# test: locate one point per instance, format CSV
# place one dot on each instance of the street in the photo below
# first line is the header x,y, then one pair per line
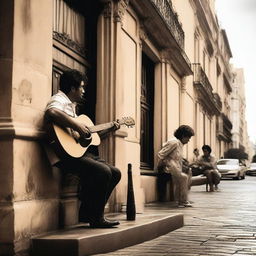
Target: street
x,y
220,223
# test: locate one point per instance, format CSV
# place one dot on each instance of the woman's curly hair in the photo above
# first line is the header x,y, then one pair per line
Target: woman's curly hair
x,y
207,148
184,131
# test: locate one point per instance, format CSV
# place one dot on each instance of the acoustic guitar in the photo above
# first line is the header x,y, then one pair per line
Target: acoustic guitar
x,y
66,142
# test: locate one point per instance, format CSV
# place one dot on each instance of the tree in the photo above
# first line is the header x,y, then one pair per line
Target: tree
x,y
236,153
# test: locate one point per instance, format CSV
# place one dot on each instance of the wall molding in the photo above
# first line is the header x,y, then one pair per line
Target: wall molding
x,y
12,130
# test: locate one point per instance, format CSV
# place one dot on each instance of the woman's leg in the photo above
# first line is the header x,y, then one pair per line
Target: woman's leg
x,y
180,181
209,176
176,188
216,178
183,188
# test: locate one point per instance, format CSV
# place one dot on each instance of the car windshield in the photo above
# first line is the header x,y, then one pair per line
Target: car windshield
x,y
228,162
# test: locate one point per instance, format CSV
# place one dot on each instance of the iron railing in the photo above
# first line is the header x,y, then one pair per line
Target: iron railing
x,y
201,78
165,10
217,100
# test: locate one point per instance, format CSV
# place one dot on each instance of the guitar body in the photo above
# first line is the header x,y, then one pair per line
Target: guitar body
x,y
64,143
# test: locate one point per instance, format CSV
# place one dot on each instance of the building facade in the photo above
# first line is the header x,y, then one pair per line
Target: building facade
x,y
239,131
164,63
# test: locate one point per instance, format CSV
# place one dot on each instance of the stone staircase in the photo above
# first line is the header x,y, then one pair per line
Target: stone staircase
x,y
80,240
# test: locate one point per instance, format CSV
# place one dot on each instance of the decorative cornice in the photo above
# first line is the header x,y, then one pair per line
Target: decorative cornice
x,y
67,41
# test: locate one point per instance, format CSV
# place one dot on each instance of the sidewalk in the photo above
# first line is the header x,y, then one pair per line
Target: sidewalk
x,y
220,224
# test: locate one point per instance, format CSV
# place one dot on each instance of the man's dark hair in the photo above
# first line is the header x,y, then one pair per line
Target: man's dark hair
x,y
207,148
71,78
184,131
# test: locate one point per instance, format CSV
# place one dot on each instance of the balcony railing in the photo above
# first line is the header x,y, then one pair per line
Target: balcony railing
x,y
165,9
201,78
217,100
226,122
201,82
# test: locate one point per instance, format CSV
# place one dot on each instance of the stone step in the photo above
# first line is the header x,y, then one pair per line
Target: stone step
x,y
80,240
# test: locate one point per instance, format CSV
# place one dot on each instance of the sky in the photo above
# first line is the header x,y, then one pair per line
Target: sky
x,y
238,18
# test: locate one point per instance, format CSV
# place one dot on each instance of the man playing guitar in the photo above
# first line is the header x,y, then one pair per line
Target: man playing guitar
x,y
98,178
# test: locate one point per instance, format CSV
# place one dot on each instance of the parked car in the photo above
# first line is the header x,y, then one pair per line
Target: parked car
x,y
251,169
231,168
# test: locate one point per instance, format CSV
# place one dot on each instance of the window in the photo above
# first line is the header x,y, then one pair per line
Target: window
x,y
75,45
68,22
147,110
68,40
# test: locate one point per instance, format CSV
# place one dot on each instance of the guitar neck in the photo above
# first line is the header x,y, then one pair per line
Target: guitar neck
x,y
101,127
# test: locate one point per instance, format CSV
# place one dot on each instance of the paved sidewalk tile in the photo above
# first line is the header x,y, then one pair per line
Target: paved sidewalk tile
x,y
219,224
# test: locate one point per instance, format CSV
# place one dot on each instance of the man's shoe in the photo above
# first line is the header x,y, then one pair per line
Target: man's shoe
x,y
103,223
185,204
216,188
116,222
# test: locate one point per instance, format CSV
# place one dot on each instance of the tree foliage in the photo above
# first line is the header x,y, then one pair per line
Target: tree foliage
x,y
236,153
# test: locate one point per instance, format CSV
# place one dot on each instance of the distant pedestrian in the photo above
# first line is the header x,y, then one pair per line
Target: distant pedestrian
x,y
196,154
187,169
207,163
170,161
195,169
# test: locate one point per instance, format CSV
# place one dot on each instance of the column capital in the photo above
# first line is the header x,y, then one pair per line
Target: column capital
x,y
165,56
142,34
120,9
107,10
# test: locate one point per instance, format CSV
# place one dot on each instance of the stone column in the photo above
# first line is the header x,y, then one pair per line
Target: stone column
x,y
163,80
105,90
112,100
28,196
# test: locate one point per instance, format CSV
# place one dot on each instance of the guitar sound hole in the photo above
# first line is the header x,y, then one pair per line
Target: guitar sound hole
x,y
84,142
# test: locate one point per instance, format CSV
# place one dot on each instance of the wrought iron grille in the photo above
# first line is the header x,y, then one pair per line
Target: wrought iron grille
x,y
201,78
217,100
165,9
